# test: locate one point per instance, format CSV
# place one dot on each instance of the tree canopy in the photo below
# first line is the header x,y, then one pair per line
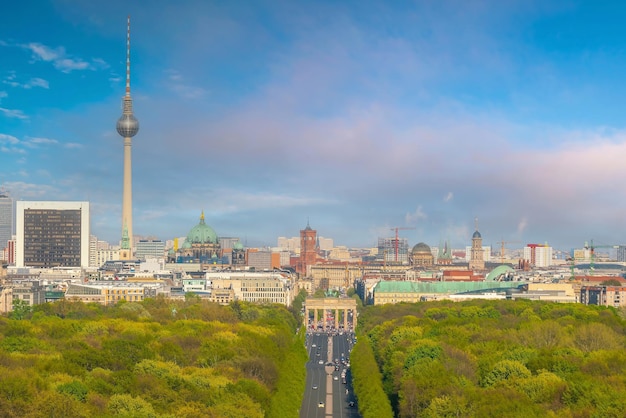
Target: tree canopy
x,y
498,358
160,357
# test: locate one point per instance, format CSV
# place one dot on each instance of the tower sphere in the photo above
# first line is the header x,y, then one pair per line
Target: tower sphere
x,y
127,126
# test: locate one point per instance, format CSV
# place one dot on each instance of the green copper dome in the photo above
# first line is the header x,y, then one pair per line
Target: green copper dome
x,y
201,234
238,246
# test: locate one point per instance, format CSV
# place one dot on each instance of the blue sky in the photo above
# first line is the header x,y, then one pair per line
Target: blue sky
x,y
359,116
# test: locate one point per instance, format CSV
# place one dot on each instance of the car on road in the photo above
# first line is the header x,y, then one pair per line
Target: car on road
x,y
351,404
320,405
314,345
314,387
320,362
335,378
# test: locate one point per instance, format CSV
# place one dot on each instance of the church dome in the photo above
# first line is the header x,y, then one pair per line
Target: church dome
x,y
421,248
476,235
238,246
201,234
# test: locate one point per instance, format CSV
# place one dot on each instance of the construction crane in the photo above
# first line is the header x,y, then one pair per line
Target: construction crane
x,y
397,228
502,243
591,249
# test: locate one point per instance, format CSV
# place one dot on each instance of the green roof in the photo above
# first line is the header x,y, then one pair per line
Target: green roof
x,y
498,271
440,287
201,234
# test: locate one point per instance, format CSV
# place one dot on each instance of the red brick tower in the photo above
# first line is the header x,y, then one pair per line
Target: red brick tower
x,y
308,250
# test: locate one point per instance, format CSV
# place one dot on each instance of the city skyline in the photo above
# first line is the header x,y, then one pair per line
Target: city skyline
x,y
358,116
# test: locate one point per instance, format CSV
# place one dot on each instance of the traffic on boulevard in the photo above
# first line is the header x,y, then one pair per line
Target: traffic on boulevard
x,y
328,383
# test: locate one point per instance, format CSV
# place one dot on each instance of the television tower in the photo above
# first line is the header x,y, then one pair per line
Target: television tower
x,y
127,127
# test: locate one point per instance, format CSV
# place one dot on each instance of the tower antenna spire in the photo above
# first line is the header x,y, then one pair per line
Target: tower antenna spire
x,y
128,59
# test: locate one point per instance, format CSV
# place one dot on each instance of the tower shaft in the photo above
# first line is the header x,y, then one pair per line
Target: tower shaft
x,y
127,194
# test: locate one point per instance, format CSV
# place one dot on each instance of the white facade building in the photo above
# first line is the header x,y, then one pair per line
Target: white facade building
x,y
538,255
263,287
149,248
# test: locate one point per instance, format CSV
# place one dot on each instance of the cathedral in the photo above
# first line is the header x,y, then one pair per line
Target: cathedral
x,y
201,245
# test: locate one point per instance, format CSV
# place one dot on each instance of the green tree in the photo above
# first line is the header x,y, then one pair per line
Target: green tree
x,y
590,337
21,309
505,370
76,389
129,406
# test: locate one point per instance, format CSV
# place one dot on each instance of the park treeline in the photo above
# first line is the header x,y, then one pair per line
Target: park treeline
x,y
156,358
490,359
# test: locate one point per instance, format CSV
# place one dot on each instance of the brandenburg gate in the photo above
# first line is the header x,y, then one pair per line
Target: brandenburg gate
x,y
335,305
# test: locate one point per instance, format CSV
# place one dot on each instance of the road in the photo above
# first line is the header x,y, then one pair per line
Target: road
x,y
334,396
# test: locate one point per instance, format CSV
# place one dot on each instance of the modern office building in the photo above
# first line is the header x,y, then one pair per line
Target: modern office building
x,y
149,248
6,219
263,260
52,234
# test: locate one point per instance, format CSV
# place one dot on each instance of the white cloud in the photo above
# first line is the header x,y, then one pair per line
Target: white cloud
x,y
412,218
13,113
448,197
72,145
11,150
59,58
8,139
238,201
22,190
182,89
33,82
40,141
521,226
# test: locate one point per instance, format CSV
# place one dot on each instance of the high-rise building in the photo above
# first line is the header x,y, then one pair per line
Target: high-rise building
x,y
538,255
52,234
621,253
127,127
6,218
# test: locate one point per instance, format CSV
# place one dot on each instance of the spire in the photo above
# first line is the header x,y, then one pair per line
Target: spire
x,y
125,238
202,217
128,59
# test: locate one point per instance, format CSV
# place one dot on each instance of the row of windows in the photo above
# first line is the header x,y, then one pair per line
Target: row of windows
x,y
260,295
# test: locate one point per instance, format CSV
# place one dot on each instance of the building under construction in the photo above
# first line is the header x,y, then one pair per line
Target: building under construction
x,y
393,250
